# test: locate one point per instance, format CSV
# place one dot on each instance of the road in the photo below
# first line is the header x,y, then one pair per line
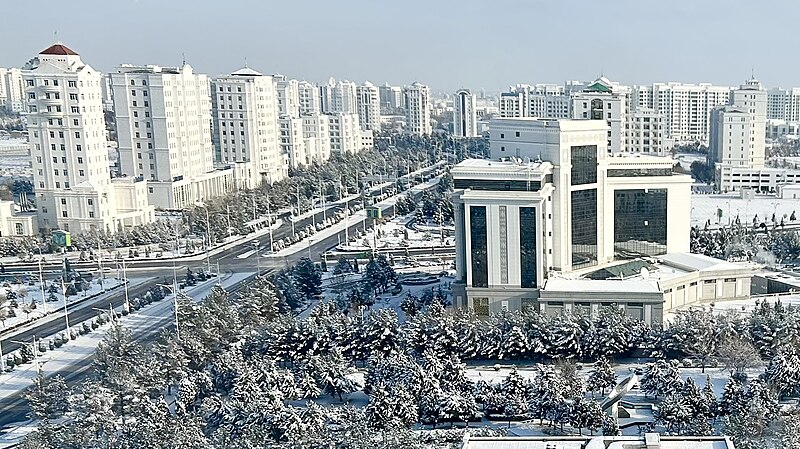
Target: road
x,y
14,408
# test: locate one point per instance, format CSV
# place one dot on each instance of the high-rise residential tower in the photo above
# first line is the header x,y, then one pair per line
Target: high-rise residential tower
x,y
418,108
464,114
246,126
69,154
369,108
164,131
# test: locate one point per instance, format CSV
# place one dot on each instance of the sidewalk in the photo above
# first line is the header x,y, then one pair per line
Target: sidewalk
x,y
58,313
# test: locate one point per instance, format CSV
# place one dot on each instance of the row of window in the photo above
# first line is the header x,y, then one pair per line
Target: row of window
x,y
47,82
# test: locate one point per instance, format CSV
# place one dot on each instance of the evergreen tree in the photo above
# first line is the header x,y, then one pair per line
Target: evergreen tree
x,y
308,279
601,377
48,398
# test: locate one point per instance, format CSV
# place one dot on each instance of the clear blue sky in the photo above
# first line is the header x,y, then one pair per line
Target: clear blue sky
x,y
447,44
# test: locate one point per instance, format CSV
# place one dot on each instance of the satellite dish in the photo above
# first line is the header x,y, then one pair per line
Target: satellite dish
x,y
645,273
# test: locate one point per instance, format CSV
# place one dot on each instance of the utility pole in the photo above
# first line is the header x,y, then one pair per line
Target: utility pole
x,y
100,265
41,283
269,223
66,312
2,359
125,275
208,236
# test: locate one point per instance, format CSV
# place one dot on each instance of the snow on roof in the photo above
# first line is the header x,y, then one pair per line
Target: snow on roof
x,y
697,262
602,286
246,71
648,440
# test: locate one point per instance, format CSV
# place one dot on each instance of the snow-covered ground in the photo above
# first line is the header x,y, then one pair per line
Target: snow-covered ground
x,y
32,294
704,207
393,236
75,353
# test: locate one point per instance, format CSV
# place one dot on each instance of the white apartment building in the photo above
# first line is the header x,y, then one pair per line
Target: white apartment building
x,y
316,138
686,108
339,97
246,126
291,140
644,133
12,89
369,107
391,98
288,95
417,98
783,104
309,99
465,122
67,138
551,203
345,132
164,133
540,100
738,136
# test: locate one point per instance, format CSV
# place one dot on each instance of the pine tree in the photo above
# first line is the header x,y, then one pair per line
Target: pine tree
x,y
601,377
48,398
586,414
308,279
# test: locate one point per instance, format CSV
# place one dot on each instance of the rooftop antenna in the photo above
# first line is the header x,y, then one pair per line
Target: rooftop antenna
x,y
183,56
245,62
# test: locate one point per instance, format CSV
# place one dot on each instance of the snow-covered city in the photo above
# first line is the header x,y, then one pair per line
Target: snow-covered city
x,y
216,240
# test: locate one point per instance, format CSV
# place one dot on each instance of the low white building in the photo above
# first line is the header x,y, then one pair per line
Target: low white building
x,y
14,223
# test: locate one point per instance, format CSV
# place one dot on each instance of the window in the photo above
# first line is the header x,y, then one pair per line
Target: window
x,y
64,201
90,201
584,164
133,82
517,133
133,93
72,84
527,246
640,222
478,242
480,306
31,96
74,122
144,82
77,134
584,227
18,228
64,213
29,83
78,148
91,214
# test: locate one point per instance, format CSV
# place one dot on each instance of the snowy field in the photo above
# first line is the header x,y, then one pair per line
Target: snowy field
x,y
704,207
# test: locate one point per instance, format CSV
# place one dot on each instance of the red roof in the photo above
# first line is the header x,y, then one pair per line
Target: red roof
x,y
57,49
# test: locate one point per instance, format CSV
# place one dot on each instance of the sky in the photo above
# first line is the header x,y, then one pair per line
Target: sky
x,y
447,44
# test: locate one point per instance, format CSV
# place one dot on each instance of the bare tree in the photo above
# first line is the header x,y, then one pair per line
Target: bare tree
x,y
737,354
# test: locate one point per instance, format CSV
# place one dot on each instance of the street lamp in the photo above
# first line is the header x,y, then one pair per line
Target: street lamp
x,y
309,248
41,282
66,312
257,246
125,280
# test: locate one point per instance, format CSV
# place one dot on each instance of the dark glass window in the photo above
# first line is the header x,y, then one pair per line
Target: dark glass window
x,y
640,222
480,264
516,186
635,172
584,228
527,246
584,164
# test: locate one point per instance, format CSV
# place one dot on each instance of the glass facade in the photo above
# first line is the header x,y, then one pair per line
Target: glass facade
x,y
584,164
640,222
502,185
527,246
636,172
503,245
480,264
584,227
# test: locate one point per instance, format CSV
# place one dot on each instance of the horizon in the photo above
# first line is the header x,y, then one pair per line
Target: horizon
x,y
350,40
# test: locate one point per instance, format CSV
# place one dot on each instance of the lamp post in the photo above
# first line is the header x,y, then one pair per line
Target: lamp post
x,y
66,312
309,248
100,265
125,280
269,223
41,283
2,359
257,246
